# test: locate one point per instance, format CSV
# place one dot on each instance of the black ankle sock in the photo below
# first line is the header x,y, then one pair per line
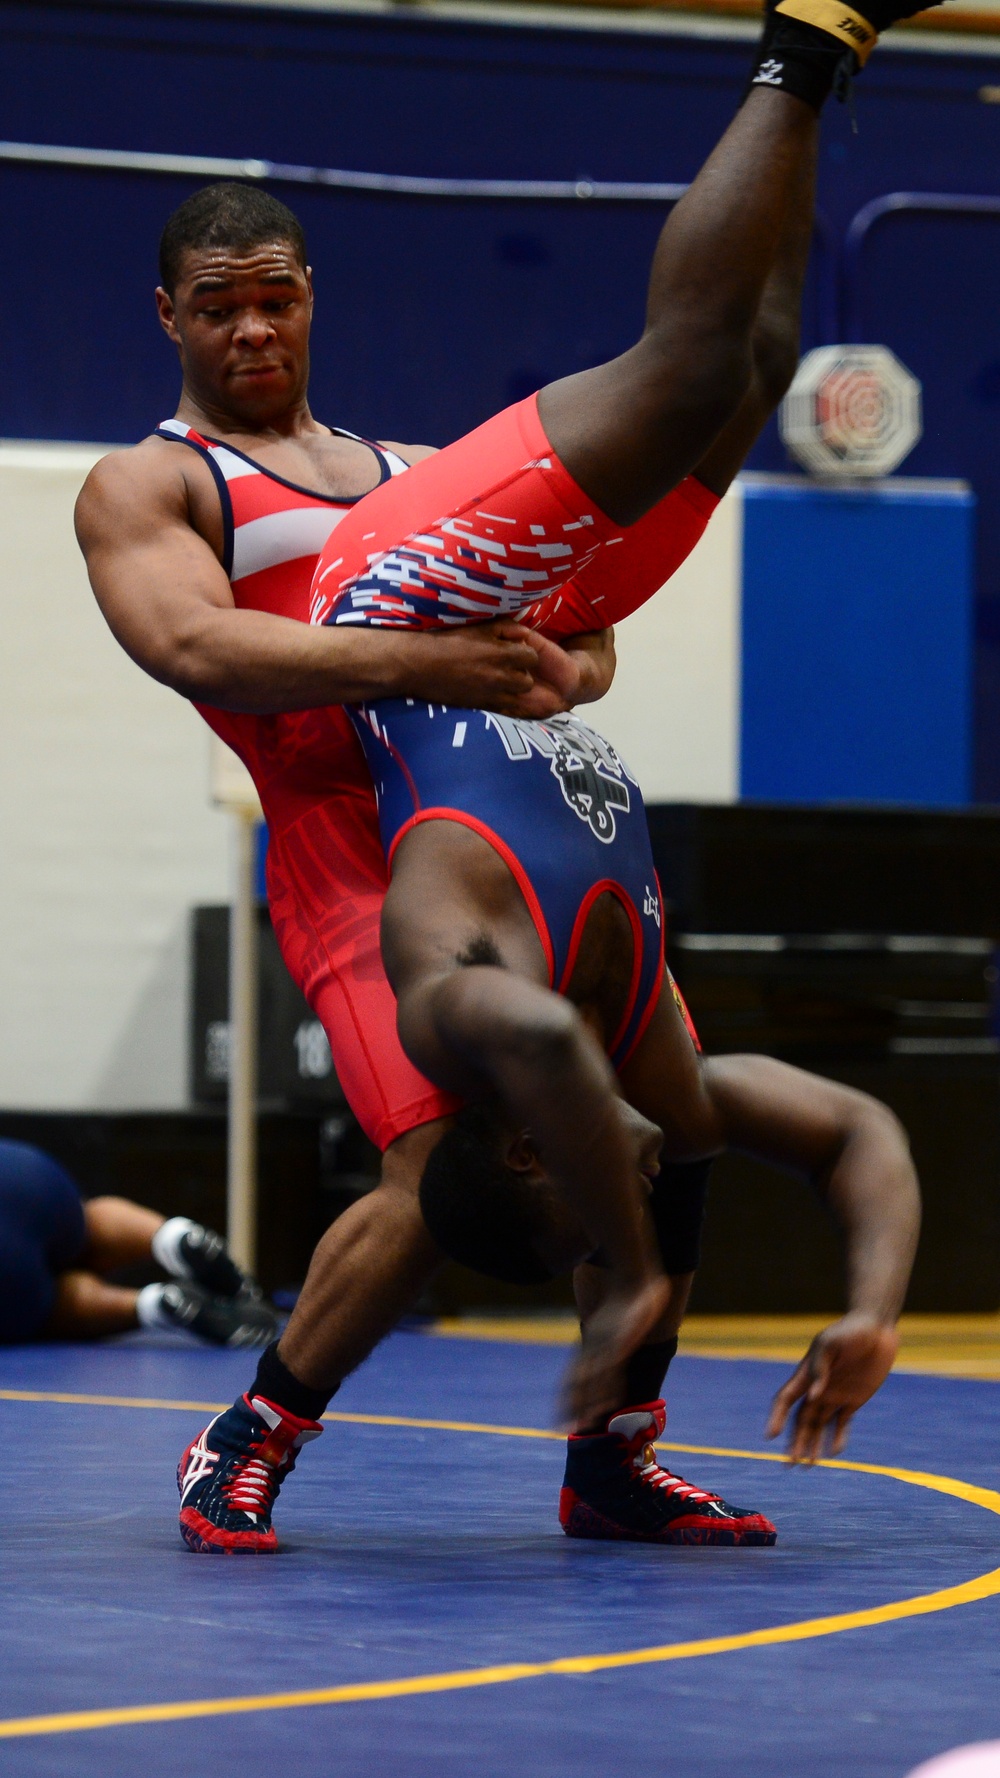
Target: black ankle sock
x,y
643,1380
275,1382
799,59
646,1370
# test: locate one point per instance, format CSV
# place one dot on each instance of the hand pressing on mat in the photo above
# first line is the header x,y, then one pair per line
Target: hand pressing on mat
x,y
855,1154
842,1369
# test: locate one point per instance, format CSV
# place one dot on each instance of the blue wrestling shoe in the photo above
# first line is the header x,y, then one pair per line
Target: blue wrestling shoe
x,y
615,1488
229,1477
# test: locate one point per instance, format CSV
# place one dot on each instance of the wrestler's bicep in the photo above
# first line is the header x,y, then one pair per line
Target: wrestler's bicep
x,y
153,576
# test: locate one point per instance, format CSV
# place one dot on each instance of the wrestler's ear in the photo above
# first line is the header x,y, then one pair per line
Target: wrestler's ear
x,y
522,1155
165,310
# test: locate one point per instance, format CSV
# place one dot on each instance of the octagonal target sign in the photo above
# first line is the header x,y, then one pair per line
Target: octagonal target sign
x,y
851,411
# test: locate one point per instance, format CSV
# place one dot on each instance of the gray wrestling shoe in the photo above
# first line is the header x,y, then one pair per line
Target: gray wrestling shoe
x,y
222,1321
199,1256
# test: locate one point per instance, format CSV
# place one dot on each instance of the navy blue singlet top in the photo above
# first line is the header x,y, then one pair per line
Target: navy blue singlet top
x,y
42,1233
556,802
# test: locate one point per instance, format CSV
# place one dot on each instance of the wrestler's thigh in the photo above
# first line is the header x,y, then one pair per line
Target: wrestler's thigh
x,y
663,1079
326,887
630,430
387,1094
483,529
453,902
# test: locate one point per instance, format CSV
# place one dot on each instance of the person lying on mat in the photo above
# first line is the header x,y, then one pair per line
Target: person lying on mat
x,y
492,1204
57,1250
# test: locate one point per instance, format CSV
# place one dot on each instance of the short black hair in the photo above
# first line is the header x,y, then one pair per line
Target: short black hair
x,y
227,215
480,1211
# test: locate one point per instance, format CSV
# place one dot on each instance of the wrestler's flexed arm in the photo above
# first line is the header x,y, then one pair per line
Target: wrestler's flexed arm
x,y
169,602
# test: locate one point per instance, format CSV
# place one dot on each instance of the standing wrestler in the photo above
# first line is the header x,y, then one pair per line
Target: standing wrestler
x,y
204,605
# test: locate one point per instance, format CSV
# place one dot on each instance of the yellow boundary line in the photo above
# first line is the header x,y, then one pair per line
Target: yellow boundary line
x,y
983,1586
965,1346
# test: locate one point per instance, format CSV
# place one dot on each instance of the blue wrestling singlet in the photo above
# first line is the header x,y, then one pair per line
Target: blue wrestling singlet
x,y
42,1233
555,801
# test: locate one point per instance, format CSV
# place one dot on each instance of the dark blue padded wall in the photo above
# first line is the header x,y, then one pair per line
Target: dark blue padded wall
x,y
434,312
430,316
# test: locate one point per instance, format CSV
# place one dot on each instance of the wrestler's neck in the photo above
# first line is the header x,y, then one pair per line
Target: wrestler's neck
x,y
215,418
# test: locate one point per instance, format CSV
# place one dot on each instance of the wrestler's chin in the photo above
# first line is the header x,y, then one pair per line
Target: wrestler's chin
x,y
256,395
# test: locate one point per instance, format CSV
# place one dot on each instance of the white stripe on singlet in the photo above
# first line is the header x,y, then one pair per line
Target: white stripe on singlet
x,y
282,537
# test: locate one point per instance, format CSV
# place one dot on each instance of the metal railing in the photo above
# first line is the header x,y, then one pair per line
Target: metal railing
x,y
895,203
204,166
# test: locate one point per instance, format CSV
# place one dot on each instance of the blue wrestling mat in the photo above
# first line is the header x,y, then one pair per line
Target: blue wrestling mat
x,y
426,1617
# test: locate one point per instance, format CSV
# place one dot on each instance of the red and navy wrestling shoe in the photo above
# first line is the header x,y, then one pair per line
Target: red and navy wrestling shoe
x,y
614,1488
230,1476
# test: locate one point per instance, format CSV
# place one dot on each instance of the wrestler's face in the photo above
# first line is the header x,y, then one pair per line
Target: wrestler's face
x,y
561,1241
240,321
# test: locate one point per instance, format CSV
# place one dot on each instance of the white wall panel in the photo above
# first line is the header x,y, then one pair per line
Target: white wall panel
x,y
106,833
673,710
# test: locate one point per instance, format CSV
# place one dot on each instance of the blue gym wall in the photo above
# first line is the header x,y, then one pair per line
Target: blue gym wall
x,y
856,642
432,313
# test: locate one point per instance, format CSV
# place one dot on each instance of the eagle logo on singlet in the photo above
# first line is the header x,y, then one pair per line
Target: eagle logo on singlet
x,y
586,768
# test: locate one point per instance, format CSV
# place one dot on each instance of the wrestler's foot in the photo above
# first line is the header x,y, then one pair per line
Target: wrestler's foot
x,y
614,1488
809,47
187,1250
857,27
230,1476
879,14
222,1321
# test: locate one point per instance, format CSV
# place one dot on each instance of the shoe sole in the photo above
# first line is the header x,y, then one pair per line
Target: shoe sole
x,y
206,1539
734,1535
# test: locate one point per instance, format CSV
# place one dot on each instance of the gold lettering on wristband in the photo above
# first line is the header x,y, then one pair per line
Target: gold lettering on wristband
x,y
840,21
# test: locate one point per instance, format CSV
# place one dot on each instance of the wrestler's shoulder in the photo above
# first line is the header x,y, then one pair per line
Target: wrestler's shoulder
x,y
142,478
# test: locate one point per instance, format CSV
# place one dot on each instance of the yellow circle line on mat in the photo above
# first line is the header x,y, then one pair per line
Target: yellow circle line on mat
x,y
983,1586
984,1497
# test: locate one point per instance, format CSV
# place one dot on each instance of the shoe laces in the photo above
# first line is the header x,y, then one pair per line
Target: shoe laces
x,y
253,1486
650,1472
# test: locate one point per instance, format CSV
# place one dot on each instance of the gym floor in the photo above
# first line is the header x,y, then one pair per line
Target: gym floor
x,y
427,1617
